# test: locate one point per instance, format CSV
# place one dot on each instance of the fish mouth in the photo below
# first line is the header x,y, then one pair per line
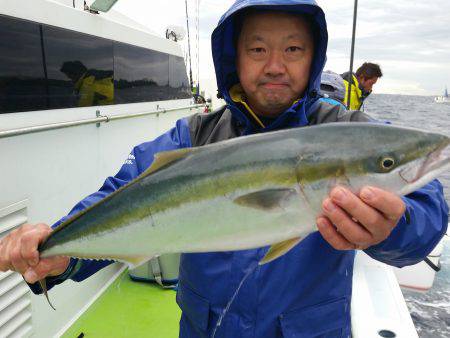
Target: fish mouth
x,y
426,169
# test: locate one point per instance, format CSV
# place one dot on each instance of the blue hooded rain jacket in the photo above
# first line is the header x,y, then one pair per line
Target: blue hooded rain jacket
x,y
305,293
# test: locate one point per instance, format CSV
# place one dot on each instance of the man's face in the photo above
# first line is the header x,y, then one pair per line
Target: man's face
x,y
274,56
367,84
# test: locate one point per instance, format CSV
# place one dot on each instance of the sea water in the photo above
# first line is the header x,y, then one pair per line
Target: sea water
x,y
430,311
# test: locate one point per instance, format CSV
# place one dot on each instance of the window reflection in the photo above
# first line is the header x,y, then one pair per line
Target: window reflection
x,y
45,67
92,87
178,80
22,78
140,74
79,67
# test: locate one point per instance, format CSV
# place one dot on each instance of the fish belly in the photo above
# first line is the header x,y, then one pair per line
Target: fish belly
x,y
217,224
222,225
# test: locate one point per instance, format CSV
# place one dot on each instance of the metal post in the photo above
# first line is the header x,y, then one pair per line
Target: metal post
x,y
189,46
352,54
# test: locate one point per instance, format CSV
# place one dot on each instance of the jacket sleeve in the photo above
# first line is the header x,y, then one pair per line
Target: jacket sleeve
x,y
139,159
420,229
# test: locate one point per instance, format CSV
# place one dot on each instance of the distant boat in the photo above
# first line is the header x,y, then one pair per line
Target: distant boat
x,y
444,98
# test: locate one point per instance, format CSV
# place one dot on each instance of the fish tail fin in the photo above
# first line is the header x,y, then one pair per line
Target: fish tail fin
x,y
43,285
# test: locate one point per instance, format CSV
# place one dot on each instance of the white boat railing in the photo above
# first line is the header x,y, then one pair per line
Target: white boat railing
x,y
98,119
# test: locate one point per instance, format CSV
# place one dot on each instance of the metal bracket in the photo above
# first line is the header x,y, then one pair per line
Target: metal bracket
x,y
163,110
155,267
88,9
103,5
97,114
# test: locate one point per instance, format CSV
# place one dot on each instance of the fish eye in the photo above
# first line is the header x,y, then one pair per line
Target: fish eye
x,y
387,163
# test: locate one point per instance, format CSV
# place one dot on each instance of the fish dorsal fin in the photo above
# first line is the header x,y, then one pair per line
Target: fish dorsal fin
x,y
268,199
164,158
279,249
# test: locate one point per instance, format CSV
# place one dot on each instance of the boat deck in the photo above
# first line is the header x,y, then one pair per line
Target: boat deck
x,y
129,309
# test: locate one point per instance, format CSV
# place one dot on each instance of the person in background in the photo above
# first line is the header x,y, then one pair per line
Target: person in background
x,y
268,57
361,84
332,88
93,87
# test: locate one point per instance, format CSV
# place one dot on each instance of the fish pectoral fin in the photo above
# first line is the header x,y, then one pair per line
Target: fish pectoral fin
x,y
279,249
268,199
165,157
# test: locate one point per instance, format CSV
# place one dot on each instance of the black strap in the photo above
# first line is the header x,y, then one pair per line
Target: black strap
x,y
435,267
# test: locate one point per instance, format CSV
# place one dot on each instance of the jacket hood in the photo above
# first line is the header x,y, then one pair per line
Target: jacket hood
x,y
224,51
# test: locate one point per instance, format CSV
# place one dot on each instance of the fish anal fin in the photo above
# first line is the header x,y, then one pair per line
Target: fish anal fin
x,y
165,157
268,199
279,249
132,261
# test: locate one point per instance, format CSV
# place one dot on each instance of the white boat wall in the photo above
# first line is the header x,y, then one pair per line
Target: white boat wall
x,y
420,277
46,169
378,308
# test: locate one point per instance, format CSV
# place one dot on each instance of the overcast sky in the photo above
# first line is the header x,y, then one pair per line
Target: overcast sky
x,y
410,39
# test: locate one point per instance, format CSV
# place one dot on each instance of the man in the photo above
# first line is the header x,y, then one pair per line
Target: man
x,y
268,58
361,84
93,87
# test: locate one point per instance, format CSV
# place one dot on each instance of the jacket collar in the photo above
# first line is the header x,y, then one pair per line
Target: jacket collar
x,y
294,116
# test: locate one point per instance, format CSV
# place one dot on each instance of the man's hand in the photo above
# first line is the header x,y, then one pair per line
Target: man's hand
x,y
352,222
18,252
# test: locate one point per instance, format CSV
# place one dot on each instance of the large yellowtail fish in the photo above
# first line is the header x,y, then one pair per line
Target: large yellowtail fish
x,y
248,192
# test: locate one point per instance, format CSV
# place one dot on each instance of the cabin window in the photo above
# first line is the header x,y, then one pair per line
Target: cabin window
x,y
140,74
79,69
45,67
22,77
179,87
